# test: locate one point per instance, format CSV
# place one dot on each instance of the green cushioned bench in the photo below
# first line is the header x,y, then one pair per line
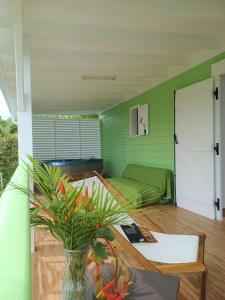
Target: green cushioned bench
x,y
145,185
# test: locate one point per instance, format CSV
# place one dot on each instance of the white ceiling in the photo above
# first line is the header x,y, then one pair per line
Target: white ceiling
x,y
141,42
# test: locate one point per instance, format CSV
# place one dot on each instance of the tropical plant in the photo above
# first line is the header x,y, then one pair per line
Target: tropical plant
x,y
81,220
72,214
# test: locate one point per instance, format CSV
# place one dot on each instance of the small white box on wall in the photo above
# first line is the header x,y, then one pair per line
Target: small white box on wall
x,y
139,120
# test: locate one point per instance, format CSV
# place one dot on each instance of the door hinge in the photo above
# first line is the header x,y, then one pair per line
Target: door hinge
x,y
217,149
216,93
217,203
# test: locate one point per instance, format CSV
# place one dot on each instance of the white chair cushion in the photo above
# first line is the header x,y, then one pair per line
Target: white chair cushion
x,y
170,248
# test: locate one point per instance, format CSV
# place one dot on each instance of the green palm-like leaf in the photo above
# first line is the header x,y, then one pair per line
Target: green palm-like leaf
x,y
68,214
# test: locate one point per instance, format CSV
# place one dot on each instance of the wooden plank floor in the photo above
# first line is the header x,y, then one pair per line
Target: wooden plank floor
x,y
48,261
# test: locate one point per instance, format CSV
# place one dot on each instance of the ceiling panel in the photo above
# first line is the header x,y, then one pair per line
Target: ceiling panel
x,y
140,42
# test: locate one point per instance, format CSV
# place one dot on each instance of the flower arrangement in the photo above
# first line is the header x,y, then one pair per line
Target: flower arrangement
x,y
79,219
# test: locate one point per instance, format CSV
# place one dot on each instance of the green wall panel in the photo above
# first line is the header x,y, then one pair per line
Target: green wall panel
x,y
157,148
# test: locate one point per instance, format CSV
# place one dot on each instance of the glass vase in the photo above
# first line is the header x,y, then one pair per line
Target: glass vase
x,y
77,282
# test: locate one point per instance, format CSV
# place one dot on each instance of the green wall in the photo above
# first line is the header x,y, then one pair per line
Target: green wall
x,y
157,148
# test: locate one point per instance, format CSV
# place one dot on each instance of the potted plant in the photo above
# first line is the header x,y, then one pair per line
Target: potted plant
x,y
77,217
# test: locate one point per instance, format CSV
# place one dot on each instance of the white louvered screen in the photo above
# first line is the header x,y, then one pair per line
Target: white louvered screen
x,y
90,138
43,139
67,139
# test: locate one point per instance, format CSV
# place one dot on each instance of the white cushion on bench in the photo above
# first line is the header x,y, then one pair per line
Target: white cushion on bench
x,y
170,248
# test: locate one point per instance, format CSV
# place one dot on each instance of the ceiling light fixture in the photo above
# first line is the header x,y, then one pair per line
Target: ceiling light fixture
x,y
98,77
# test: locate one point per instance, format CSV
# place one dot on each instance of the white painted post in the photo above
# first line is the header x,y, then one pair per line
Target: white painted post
x,y
23,89
24,116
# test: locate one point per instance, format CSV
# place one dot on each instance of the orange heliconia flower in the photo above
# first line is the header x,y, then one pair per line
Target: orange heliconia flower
x,y
119,298
97,273
83,199
90,207
108,286
86,196
110,296
78,200
61,187
35,204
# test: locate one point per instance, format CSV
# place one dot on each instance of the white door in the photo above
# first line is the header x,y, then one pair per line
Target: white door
x,y
194,148
220,139
218,72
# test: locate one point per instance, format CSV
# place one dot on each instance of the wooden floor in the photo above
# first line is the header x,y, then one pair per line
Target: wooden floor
x,y
48,261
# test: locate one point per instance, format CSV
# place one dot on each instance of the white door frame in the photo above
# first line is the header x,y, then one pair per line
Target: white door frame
x,y
218,69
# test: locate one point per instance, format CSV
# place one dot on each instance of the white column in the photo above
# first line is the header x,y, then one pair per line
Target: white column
x,y
24,116
23,82
23,89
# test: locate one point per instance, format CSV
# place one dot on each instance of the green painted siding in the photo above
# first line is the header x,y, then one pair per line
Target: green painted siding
x,y
155,149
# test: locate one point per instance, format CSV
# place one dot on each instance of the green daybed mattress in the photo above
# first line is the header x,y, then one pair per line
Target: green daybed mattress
x,y
144,185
